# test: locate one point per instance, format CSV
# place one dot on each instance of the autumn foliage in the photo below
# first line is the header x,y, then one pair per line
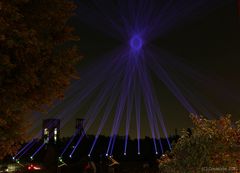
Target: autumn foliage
x,y
212,146
36,62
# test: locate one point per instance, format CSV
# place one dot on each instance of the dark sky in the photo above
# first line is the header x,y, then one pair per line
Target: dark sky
x,y
212,45
209,43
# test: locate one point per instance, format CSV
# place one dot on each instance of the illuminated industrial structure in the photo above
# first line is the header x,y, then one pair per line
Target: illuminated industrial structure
x,y
51,130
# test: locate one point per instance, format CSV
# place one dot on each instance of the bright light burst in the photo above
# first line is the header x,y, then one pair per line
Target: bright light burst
x,y
122,79
136,42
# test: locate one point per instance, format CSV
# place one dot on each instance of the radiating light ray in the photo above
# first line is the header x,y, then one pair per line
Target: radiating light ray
x,y
111,82
42,145
148,101
137,97
106,115
156,108
135,23
95,110
28,146
161,121
69,142
72,109
83,89
25,150
179,73
119,110
165,78
76,145
128,118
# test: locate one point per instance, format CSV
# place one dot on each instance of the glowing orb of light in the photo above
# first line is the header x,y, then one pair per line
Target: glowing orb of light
x,y
136,42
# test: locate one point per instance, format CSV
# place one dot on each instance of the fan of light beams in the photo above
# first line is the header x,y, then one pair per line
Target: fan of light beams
x,y
120,85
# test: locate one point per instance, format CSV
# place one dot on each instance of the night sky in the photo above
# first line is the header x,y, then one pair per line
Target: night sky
x,y
208,43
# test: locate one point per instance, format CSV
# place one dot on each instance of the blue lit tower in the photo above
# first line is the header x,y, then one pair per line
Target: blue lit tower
x,y
51,130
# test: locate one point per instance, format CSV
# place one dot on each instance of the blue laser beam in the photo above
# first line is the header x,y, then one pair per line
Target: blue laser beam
x,y
136,24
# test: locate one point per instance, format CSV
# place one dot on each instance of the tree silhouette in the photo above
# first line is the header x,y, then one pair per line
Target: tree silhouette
x,y
213,144
36,62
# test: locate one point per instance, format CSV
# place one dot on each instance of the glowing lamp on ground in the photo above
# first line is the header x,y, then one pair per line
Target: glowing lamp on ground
x,y
136,43
29,167
139,153
60,159
125,154
34,167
